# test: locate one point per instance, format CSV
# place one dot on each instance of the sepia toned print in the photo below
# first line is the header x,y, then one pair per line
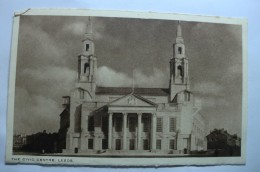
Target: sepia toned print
x,y
114,88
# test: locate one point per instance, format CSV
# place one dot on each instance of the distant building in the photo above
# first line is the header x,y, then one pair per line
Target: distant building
x,y
19,140
41,142
121,119
220,139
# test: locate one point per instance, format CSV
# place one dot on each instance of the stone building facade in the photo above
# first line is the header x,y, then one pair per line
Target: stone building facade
x,y
115,120
19,140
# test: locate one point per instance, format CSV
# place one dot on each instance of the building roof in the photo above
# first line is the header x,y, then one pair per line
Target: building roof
x,y
128,90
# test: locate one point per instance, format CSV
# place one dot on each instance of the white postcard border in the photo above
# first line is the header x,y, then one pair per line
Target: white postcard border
x,y
117,161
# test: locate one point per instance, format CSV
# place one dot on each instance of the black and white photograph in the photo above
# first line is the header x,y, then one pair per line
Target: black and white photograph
x,y
128,88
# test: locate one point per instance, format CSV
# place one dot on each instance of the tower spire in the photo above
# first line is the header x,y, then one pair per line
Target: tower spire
x,y
89,33
87,59
179,34
179,38
89,25
179,78
87,62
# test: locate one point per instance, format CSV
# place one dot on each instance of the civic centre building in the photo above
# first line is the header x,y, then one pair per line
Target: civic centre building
x,y
123,120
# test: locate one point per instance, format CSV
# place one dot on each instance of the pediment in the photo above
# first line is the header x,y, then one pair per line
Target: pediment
x,y
132,100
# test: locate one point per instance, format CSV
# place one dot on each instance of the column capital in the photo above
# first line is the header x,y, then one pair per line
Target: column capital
x,y
139,113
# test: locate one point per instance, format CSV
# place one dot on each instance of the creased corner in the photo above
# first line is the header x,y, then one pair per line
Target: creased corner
x,y
21,13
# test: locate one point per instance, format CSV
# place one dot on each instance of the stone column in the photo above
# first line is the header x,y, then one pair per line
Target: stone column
x,y
83,123
139,131
153,132
110,115
83,132
124,130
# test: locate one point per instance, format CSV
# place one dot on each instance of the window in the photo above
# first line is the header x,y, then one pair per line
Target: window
x,y
171,144
91,123
131,144
187,96
104,124
159,125
179,71
86,68
118,122
179,50
81,94
90,143
76,150
118,144
172,124
132,124
158,144
146,123
104,144
146,145
87,47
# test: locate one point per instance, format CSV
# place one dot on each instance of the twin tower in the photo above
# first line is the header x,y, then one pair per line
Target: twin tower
x,y
87,65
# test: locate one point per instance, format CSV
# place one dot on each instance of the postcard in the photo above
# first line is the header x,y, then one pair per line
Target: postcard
x,y
118,88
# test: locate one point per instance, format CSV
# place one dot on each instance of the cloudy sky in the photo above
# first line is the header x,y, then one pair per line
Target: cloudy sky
x,y
47,63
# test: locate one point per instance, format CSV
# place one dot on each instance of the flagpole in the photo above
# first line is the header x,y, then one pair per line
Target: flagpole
x,y
133,82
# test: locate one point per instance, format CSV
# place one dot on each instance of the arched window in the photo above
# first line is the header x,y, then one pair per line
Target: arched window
x,y
179,71
179,50
86,68
87,47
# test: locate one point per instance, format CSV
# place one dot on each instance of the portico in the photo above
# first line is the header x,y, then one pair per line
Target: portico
x,y
131,126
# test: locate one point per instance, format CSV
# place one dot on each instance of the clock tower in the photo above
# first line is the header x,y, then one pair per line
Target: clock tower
x,y
87,62
179,63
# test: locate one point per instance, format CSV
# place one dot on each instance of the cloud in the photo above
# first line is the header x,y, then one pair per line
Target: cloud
x,y
38,104
58,80
33,113
156,79
51,74
98,28
109,77
208,88
101,33
40,46
77,28
235,69
212,94
235,31
211,102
